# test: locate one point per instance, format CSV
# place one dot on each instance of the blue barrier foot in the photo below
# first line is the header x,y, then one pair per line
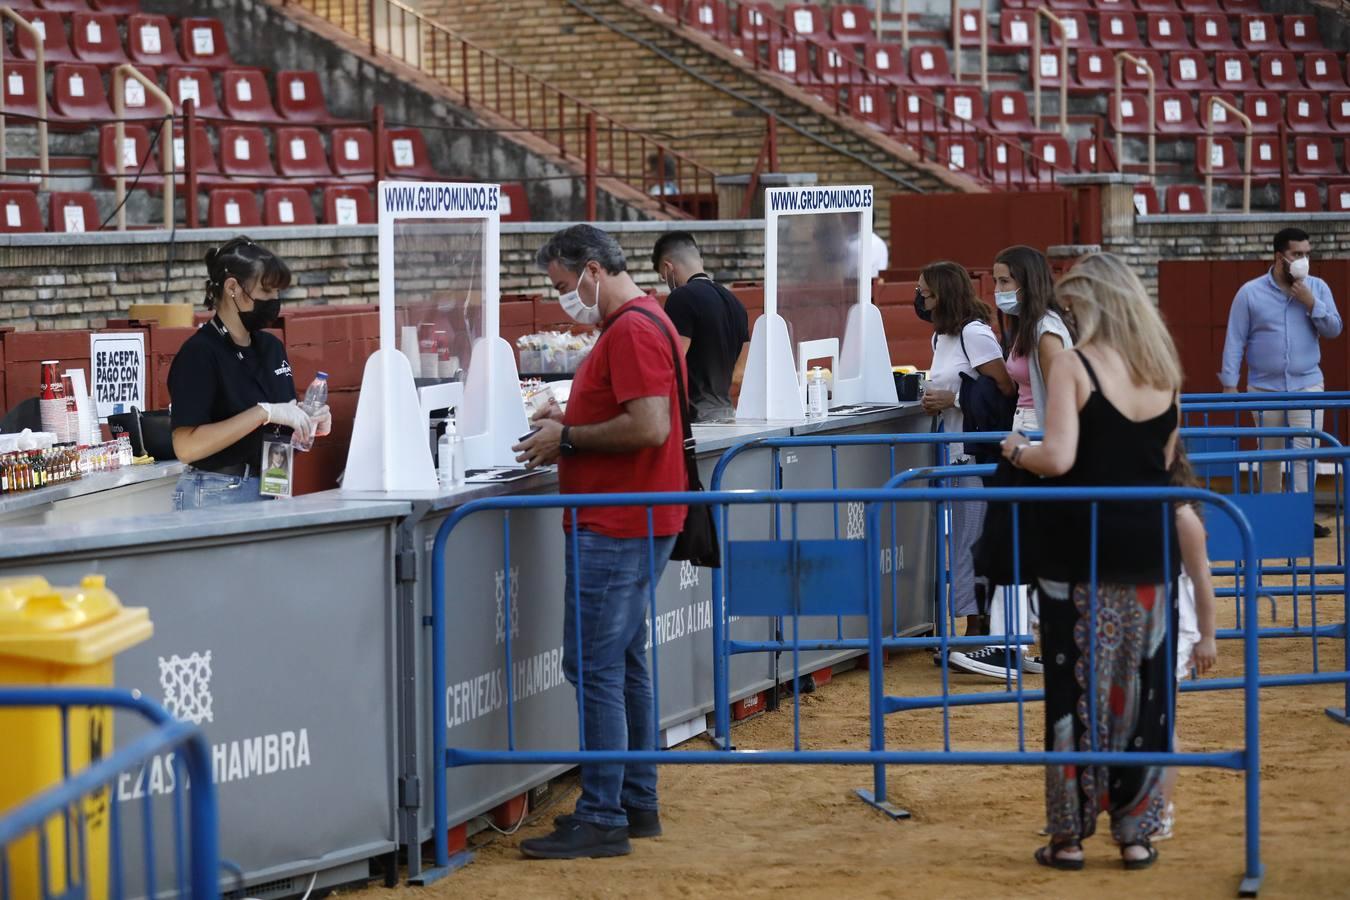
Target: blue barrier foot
x,y
884,805
1249,887
436,873
1339,715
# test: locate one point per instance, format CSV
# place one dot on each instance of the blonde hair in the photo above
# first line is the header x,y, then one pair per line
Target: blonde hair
x,y
1113,309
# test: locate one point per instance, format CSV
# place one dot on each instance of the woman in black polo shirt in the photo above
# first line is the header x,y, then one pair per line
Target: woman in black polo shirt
x,y
230,384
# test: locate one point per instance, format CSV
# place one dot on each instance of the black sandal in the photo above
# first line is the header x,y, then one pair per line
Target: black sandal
x,y
1049,856
1145,862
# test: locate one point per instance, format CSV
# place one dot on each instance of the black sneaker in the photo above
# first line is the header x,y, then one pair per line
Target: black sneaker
x,y
1032,665
642,823
576,839
992,662
1321,531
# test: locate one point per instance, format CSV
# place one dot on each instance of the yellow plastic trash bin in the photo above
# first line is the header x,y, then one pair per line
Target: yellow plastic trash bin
x,y
59,637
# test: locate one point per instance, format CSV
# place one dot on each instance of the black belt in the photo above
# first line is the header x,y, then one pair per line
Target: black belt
x,y
239,470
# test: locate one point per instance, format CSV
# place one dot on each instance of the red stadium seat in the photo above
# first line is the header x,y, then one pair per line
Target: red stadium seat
x,y
1265,155
1118,30
959,154
1338,106
1322,71
850,23
971,23
351,205
137,103
756,20
1008,112
1058,5
1235,7
1089,153
915,110
1157,6
150,40
352,152
791,61
965,105
1189,71
204,43
96,39
1264,110
1224,122
135,153
19,213
287,206
1212,32
514,203
805,21
1233,72
1222,156
1146,200
1300,33
246,97
1185,198
1167,31
1302,197
233,208
1338,197
872,105
1050,67
78,92
120,7
1114,5
52,27
1132,115
1305,112
21,87
1315,156
1200,6
203,159
64,6
406,155
244,156
1005,163
1095,68
1136,76
72,211
300,98
886,61
1175,113
191,83
1049,153
928,65
1076,32
1279,72
300,155
836,63
1015,27
1258,33
708,15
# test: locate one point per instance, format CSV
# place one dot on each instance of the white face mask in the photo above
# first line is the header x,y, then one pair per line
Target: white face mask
x,y
1007,302
579,312
1298,269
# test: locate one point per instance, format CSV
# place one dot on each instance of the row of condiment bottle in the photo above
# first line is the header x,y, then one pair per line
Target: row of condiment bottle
x,y
31,470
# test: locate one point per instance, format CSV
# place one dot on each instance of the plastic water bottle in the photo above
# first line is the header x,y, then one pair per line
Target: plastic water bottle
x,y
450,457
316,397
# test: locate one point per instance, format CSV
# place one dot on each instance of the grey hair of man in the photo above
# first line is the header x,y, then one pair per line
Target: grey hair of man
x,y
573,247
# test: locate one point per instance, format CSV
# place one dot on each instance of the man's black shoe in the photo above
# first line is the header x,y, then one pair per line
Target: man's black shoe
x,y
575,839
1321,531
642,823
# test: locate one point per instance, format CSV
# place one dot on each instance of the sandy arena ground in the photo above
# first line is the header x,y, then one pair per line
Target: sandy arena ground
x,y
751,831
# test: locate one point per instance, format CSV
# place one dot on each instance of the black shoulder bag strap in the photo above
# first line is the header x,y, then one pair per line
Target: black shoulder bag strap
x,y
697,541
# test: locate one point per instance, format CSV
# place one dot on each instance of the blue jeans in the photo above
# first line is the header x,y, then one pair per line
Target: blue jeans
x,y
615,696
202,490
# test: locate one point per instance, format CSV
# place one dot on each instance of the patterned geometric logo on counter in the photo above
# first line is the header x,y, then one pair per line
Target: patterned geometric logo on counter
x,y
187,687
500,591
855,528
688,575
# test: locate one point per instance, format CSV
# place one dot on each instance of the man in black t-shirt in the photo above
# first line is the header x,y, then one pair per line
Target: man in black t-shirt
x,y
713,325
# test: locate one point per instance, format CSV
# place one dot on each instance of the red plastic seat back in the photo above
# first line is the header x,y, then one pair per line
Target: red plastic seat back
x,y
1300,33
1322,71
1265,154
1189,70
1221,153
1015,27
836,62
69,212
78,92
1338,197
21,89
959,154
287,206
1259,33
708,15
964,104
349,205
51,27
353,152
1075,32
203,156
1302,196
95,37
871,104
1224,121
300,153
1305,111
886,61
204,43
1008,111
1094,155
1233,72
1175,112
233,208
195,84
1315,156
791,60
805,21
1136,76
19,213
1263,109
300,97
1005,163
757,21
150,40
1050,152
243,152
134,151
916,110
515,203
1117,29
246,96
1167,31
1338,108
1095,68
1185,198
928,65
1279,72
970,23
850,23
407,155
1131,115
1212,31
1146,200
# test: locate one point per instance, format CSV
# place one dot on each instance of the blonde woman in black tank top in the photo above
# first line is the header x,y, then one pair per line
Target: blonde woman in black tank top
x,y
1111,421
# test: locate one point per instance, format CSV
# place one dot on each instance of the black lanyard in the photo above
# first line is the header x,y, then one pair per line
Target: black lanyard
x,y
253,371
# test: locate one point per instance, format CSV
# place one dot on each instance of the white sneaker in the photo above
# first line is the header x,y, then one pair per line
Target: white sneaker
x,y
1168,819
992,662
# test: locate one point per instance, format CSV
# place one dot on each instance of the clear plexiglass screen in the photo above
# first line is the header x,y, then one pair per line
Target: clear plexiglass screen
x,y
438,293
818,270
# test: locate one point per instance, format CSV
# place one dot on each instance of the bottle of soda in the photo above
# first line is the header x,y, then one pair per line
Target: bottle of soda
x,y
316,397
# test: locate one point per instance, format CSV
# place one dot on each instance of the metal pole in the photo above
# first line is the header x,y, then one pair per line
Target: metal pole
x,y
380,161
590,167
190,162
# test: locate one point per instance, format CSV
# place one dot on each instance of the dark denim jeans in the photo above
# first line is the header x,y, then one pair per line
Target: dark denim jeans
x,y
616,692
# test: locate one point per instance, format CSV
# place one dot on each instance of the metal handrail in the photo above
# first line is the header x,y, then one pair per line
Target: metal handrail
x,y
1056,21
1209,150
488,81
1121,58
40,82
120,75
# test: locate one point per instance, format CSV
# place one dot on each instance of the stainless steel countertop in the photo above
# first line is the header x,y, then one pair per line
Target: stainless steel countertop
x,y
90,484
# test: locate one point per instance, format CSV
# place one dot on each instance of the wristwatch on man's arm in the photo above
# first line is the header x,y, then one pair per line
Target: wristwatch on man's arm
x,y
565,445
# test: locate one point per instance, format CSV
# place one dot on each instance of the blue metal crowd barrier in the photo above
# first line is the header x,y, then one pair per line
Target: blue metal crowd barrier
x,y
24,829
790,577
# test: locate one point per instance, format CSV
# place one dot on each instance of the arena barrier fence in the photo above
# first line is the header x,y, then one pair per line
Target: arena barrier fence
x,y
789,577
68,840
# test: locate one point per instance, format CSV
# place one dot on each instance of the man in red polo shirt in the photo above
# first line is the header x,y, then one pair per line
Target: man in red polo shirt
x,y
621,434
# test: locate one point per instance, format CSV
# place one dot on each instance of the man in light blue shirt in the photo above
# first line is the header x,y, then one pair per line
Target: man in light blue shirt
x,y
1277,321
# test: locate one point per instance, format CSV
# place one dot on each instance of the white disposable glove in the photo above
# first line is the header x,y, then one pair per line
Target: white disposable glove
x,y
290,415
323,421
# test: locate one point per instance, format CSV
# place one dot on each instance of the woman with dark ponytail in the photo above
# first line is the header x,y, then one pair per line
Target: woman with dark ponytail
x,y
230,385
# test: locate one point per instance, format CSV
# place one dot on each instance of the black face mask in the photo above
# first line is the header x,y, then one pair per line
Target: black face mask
x,y
919,309
263,313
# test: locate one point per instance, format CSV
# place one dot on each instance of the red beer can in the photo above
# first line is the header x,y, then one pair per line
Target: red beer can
x,y
51,381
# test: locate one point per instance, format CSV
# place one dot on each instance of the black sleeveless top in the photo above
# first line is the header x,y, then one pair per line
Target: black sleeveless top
x,y
1114,451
